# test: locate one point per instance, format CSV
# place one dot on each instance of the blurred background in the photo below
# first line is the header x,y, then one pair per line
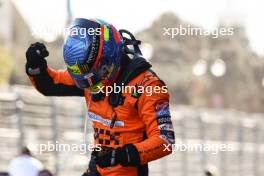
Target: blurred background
x,y
216,84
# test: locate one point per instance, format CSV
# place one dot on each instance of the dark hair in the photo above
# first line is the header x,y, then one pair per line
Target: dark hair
x,y
4,174
25,151
45,171
208,173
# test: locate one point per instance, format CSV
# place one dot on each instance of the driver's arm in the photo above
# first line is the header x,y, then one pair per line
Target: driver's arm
x,y
55,83
155,113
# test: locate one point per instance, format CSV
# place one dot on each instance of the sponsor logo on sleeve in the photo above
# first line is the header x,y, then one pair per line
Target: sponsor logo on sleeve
x,y
164,121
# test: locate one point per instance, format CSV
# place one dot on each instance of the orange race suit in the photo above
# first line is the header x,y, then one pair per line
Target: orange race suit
x,y
143,120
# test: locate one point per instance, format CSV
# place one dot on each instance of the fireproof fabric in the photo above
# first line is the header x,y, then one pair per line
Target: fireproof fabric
x,y
142,120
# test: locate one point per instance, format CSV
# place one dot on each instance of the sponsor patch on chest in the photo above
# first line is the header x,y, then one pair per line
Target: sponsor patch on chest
x,y
97,118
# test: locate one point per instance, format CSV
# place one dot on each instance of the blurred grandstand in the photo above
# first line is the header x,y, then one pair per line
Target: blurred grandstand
x,y
27,118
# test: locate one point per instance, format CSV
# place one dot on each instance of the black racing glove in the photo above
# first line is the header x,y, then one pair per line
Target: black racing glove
x,y
127,155
92,170
35,55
